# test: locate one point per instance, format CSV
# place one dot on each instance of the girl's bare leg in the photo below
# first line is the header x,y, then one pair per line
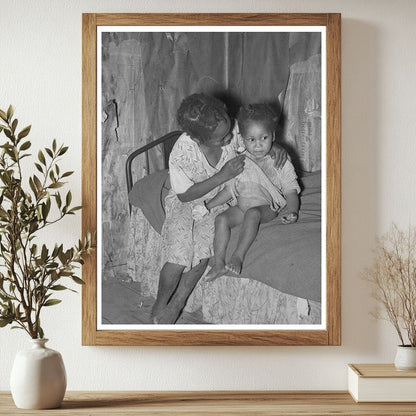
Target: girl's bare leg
x,y
253,217
177,301
169,278
223,224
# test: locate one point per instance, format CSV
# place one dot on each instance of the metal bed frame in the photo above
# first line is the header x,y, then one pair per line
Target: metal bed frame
x,y
167,141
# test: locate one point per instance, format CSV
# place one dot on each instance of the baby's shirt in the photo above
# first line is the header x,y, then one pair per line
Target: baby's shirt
x,y
262,182
284,178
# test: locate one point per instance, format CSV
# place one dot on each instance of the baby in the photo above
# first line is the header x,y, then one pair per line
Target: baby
x,y
259,193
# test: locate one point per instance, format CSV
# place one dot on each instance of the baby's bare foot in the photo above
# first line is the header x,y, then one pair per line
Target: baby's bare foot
x,y
218,270
234,265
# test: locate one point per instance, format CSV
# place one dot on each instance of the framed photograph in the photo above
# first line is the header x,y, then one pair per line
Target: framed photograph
x,y
174,265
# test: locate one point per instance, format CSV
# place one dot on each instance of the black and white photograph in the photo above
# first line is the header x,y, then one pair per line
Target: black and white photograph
x,y
211,178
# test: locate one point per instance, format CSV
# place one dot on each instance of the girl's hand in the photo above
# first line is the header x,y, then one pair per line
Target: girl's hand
x,y
279,156
289,218
233,167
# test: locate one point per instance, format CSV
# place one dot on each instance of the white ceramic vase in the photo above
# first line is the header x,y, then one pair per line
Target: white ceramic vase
x,y
38,377
405,358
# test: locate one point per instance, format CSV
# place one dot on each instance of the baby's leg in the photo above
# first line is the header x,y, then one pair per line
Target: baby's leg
x,y
253,217
223,224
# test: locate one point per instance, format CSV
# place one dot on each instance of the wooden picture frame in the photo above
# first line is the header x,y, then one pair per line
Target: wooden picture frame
x,y
330,334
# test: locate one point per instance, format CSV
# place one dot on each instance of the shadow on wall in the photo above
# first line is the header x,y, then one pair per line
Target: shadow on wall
x,y
361,186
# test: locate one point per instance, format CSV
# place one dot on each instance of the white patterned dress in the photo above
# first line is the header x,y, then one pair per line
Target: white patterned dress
x,y
186,241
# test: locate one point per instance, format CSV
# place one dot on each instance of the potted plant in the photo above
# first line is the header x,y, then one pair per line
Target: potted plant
x,y
31,273
393,277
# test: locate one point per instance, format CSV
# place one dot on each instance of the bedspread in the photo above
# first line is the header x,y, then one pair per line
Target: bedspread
x,y
283,265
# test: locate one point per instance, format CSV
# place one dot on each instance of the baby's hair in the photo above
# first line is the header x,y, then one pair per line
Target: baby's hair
x,y
261,113
199,115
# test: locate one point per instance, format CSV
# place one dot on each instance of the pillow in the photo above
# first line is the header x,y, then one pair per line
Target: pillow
x,y
149,195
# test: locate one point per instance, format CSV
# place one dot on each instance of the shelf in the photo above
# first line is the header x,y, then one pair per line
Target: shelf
x,y
204,403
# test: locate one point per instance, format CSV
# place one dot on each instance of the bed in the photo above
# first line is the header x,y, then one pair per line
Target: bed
x,y
281,278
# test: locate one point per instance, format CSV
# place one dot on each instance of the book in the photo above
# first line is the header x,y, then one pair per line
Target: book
x,y
381,383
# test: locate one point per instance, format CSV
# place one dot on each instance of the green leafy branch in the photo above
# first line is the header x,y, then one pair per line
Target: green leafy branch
x,y
31,274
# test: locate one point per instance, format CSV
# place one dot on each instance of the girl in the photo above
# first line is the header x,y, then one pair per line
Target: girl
x,y
201,160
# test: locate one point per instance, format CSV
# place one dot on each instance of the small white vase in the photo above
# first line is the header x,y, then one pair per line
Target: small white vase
x,y
405,358
38,377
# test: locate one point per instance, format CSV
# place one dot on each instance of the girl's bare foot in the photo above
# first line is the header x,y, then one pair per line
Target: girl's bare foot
x,y
168,316
157,309
217,270
234,265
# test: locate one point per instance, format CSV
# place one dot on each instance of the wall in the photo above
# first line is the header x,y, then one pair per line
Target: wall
x,y
40,74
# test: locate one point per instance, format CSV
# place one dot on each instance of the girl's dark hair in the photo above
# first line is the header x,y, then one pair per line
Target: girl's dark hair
x,y
262,113
199,115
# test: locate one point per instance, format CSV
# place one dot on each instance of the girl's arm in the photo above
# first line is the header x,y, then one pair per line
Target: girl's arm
x,y
231,169
221,198
279,155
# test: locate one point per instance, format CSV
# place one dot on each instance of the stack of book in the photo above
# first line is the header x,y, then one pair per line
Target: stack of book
x,y
381,383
